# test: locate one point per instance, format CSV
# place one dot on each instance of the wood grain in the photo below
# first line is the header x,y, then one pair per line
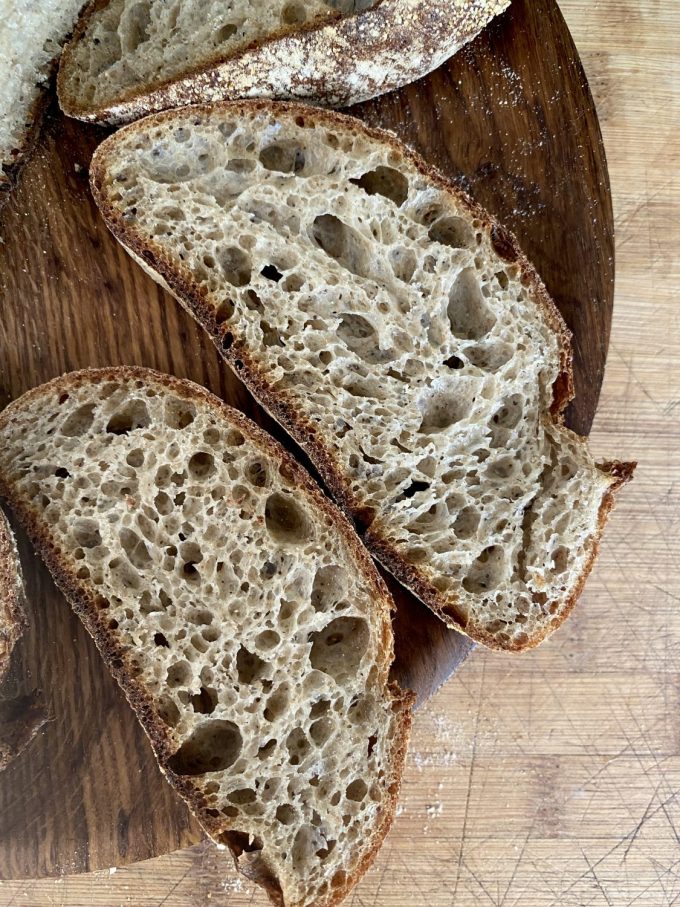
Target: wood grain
x,y
71,297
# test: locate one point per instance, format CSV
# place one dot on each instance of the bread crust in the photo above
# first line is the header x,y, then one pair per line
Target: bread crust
x,y
333,63
283,407
13,620
89,608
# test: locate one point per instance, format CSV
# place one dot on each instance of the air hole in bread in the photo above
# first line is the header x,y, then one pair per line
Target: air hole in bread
x,y
122,573
286,814
179,413
384,181
298,746
343,243
487,572
271,272
413,489
286,520
490,356
357,790
293,283
236,265
361,338
79,421
201,465
278,703
359,386
403,262
134,26
445,403
267,640
205,701
224,311
224,32
285,157
86,533
469,315
242,796
135,549
337,650
467,522
329,587
212,747
168,711
132,415
509,414
454,232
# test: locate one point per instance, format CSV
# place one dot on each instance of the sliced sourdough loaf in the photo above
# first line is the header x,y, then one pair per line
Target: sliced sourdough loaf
x,y
131,57
235,606
12,615
31,35
394,329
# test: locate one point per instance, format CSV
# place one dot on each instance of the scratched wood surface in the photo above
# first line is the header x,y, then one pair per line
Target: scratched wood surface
x,y
553,781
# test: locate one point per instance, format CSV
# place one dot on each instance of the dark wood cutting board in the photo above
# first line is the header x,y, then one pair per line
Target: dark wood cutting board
x,y
512,120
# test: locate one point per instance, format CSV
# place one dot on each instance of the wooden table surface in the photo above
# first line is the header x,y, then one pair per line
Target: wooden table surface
x,y
552,780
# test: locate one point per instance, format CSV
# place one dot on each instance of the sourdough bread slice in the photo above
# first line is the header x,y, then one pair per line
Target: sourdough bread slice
x,y
31,35
394,329
12,615
235,606
132,57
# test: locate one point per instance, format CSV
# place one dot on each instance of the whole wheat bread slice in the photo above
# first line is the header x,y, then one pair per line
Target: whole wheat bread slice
x,y
394,329
31,36
235,606
131,57
12,614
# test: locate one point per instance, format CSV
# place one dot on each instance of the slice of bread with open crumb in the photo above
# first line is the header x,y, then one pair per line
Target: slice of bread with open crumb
x,y
132,57
235,606
12,615
394,329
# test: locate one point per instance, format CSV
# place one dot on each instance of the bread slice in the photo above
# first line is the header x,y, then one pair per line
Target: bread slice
x,y
132,57
31,35
394,329
12,614
235,606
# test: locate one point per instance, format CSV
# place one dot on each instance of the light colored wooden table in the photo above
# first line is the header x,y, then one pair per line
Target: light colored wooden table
x,y
552,780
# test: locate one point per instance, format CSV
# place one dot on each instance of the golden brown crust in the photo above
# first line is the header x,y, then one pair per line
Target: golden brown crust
x,y
12,615
89,608
347,59
282,407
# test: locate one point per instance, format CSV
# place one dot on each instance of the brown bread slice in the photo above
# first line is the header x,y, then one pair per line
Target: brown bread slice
x,y
394,329
131,57
235,606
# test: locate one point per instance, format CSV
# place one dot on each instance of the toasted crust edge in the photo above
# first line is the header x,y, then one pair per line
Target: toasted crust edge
x,y
88,609
396,41
155,260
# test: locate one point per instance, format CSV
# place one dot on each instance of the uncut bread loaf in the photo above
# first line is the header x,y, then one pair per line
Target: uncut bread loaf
x,y
236,608
31,35
12,615
394,329
132,57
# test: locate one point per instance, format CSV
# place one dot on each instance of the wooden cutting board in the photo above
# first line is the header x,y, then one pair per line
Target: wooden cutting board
x,y
512,120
